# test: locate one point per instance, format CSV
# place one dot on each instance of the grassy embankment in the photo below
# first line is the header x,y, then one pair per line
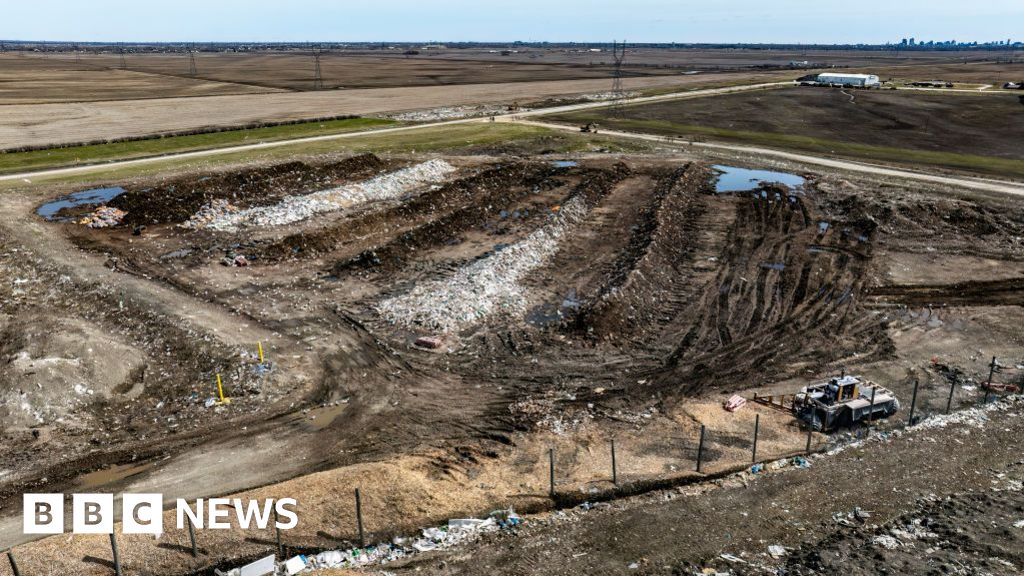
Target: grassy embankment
x,y
13,162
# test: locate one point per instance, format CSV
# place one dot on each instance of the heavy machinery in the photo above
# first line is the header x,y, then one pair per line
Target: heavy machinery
x,y
843,401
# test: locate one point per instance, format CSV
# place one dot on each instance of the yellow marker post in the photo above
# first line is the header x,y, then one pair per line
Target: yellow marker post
x,y
259,346
220,391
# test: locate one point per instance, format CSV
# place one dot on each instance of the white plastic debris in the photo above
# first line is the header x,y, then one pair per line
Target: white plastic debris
x,y
391,186
485,286
294,565
776,551
886,541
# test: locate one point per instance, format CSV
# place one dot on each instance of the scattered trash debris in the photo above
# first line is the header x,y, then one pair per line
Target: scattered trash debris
x,y
390,186
431,342
734,403
776,551
211,212
294,565
886,541
485,286
104,217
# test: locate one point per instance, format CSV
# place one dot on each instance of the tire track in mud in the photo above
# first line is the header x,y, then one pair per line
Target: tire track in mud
x,y
778,301
1007,292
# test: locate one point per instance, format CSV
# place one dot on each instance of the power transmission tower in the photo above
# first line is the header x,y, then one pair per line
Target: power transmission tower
x,y
120,50
191,60
318,79
618,55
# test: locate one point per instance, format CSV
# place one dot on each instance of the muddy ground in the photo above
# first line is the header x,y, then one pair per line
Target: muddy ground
x,y
658,297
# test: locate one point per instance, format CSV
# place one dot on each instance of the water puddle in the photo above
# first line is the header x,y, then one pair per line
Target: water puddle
x,y
85,198
109,475
564,163
733,179
320,418
552,312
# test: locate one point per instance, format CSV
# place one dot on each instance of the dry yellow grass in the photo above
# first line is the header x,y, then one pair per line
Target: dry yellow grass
x,y
410,492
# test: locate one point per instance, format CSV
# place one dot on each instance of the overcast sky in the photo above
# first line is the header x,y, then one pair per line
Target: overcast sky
x,y
820,21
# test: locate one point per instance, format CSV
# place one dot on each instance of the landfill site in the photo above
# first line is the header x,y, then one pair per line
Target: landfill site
x,y
486,338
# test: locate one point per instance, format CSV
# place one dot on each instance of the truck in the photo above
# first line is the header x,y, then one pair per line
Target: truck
x,y
843,401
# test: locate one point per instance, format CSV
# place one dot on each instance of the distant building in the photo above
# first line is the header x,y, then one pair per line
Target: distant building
x,y
856,80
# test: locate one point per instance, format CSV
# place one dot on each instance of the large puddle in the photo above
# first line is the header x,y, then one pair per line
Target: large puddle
x,y
85,198
733,179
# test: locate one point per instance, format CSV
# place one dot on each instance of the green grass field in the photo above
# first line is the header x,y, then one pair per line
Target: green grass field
x,y
60,157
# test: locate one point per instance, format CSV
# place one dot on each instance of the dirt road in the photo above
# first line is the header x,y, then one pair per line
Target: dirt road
x,y
981,184
262,145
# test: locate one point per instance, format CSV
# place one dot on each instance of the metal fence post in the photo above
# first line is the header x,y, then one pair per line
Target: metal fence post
x,y
949,401
991,373
615,470
117,554
359,519
810,432
913,404
871,412
14,563
551,472
700,449
192,538
277,536
757,428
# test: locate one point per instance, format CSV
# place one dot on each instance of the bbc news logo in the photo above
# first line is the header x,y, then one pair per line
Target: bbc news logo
x,y
143,513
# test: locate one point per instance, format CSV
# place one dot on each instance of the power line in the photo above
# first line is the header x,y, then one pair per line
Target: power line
x,y
618,55
318,79
191,60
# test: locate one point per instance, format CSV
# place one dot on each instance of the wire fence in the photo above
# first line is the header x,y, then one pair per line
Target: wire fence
x,y
702,452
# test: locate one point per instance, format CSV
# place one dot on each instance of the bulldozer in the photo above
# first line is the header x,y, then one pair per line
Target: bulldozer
x,y
843,402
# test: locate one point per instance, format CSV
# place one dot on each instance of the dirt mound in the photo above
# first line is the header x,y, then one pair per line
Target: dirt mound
x,y
177,200
429,219
48,375
787,293
641,282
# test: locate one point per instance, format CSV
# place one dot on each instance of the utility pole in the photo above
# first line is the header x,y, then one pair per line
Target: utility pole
x,y
318,79
618,55
191,60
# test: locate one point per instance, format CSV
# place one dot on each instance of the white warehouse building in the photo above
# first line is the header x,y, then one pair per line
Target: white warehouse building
x,y
858,80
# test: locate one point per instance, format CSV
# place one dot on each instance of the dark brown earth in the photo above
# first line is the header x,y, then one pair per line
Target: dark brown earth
x,y
664,295
981,125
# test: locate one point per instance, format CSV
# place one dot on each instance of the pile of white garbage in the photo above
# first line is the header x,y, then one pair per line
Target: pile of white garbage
x,y
457,531
486,286
104,217
210,212
448,113
600,96
390,186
